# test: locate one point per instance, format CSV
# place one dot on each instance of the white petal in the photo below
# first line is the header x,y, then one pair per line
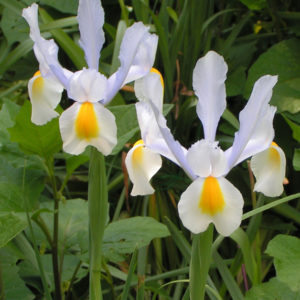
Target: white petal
x,y
87,85
256,131
230,218
208,81
150,88
104,141
226,221
44,94
137,55
45,50
207,159
142,164
150,131
91,19
269,170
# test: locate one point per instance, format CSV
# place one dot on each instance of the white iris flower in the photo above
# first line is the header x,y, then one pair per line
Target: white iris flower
x,y
210,198
87,121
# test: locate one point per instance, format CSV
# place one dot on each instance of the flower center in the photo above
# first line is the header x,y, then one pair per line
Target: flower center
x,y
211,199
137,155
86,124
38,84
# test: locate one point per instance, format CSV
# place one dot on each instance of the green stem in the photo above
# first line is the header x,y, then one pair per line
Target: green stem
x,y
55,265
98,206
200,262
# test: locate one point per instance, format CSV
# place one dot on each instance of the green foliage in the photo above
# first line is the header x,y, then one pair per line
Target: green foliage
x,y
285,250
41,140
124,236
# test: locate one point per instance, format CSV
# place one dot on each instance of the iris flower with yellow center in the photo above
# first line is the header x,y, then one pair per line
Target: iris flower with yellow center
x,y
210,198
87,121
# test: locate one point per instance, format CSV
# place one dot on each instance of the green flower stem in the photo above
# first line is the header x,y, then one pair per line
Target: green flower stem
x,y
55,265
98,205
200,262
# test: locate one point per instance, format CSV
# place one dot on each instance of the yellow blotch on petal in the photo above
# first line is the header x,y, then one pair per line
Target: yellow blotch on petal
x,y
86,124
274,155
211,199
137,155
38,84
153,70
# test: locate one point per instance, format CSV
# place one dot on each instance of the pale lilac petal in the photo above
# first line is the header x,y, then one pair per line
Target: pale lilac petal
x,y
141,167
137,54
256,131
207,159
150,88
87,85
269,170
91,19
208,82
150,131
45,50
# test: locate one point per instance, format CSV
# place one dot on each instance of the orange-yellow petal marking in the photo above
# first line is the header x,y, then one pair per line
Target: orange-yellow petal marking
x,y
86,124
38,84
137,155
211,199
153,70
274,155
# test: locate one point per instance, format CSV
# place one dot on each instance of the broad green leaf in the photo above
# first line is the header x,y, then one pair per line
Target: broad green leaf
x,y
285,250
10,226
295,129
283,59
124,236
41,140
65,6
13,25
14,286
236,82
296,159
255,4
74,161
271,290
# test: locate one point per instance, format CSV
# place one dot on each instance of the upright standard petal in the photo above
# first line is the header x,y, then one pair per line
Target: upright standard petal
x,y
209,85
87,85
137,54
142,164
150,88
91,19
85,124
269,170
256,130
45,50
211,200
44,94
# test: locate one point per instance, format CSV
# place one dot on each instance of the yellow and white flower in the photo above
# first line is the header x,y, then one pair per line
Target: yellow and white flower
x,y
87,121
210,198
268,168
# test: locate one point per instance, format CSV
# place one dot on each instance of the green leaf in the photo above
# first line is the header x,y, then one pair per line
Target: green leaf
x,y
65,6
295,129
273,289
14,286
124,236
283,59
285,250
296,159
255,4
10,226
42,140
74,161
